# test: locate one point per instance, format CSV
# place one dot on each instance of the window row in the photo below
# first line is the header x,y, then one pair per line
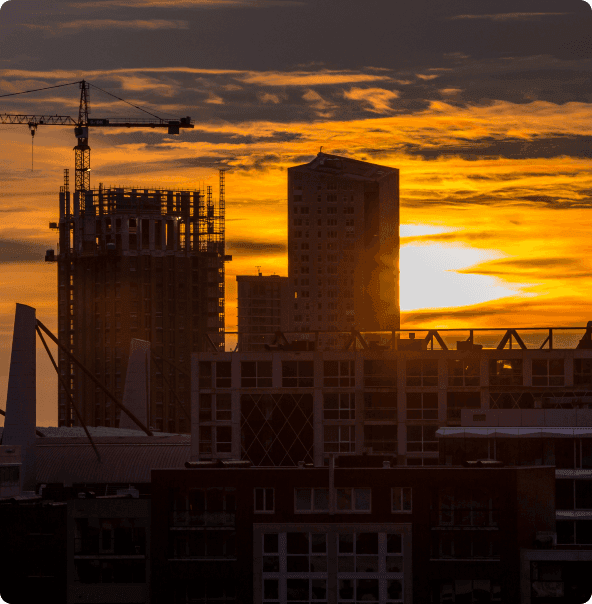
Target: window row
x,y
316,499
383,373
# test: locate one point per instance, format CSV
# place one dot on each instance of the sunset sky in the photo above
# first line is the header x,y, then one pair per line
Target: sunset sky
x,y
485,107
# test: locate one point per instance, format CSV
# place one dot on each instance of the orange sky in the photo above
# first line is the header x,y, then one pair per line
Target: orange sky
x,y
491,135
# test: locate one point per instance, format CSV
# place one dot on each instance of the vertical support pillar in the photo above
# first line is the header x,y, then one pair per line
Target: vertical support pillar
x,y
136,396
21,398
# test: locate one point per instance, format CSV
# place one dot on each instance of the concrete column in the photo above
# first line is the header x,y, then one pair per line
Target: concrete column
x,y
136,391
21,398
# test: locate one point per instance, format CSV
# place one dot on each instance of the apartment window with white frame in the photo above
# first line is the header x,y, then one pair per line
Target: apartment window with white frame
x,y
264,500
401,499
294,567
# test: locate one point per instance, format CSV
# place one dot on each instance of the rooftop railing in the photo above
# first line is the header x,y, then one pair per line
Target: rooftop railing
x,y
418,339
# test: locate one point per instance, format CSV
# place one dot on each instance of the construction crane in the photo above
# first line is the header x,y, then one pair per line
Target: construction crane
x,y
83,123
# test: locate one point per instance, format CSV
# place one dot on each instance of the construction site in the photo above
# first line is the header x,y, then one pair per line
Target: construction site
x,y
138,264
143,264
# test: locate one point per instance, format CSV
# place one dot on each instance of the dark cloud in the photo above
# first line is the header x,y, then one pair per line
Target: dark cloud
x,y
488,147
238,247
497,309
12,251
542,267
461,236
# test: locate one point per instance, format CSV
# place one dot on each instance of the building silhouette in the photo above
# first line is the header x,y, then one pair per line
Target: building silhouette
x,y
145,264
263,308
343,245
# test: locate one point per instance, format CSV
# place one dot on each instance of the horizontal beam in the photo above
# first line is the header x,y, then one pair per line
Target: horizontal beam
x,y
37,120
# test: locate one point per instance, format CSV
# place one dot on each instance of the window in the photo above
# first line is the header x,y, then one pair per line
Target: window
x,y
9,476
204,543
223,374
297,554
547,372
339,405
331,210
340,439
256,374
297,374
577,532
422,438
264,499
353,499
455,401
205,370
582,371
381,439
223,406
339,374
363,557
421,372
348,210
216,439
468,591
297,197
505,372
380,405
463,372
422,405
311,500
380,374
573,494
401,499
466,506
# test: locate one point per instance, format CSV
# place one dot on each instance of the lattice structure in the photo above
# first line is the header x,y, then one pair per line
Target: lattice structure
x,y
276,429
145,264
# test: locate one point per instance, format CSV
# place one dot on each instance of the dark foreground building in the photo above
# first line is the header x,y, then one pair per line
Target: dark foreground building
x,y
345,534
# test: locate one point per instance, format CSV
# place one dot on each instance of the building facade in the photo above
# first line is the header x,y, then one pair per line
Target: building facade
x,y
345,534
343,245
263,308
145,264
277,408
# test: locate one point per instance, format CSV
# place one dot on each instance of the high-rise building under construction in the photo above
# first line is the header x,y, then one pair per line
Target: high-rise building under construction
x,y
145,264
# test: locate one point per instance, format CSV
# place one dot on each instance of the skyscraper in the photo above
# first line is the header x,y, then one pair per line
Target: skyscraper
x,y
343,245
138,263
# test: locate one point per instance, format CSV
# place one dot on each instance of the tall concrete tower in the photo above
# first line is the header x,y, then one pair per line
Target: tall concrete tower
x,y
343,238
145,264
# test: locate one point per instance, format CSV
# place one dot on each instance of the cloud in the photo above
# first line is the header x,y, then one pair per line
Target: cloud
x,y
243,247
86,24
507,16
268,97
316,101
189,3
13,251
303,78
214,99
542,268
376,100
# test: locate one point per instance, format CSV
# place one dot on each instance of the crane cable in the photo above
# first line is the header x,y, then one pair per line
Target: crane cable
x,y
38,89
119,98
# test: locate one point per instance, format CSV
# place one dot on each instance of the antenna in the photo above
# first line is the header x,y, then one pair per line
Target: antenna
x,y
259,271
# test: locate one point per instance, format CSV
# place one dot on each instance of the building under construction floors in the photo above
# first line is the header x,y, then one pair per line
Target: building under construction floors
x,y
142,264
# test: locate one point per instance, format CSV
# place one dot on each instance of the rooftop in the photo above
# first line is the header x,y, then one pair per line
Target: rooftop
x,y
345,166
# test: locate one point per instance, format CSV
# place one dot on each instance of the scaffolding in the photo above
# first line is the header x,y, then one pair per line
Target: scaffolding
x,y
150,264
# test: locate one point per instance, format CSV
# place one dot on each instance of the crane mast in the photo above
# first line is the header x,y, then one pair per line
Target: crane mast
x,y
82,150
